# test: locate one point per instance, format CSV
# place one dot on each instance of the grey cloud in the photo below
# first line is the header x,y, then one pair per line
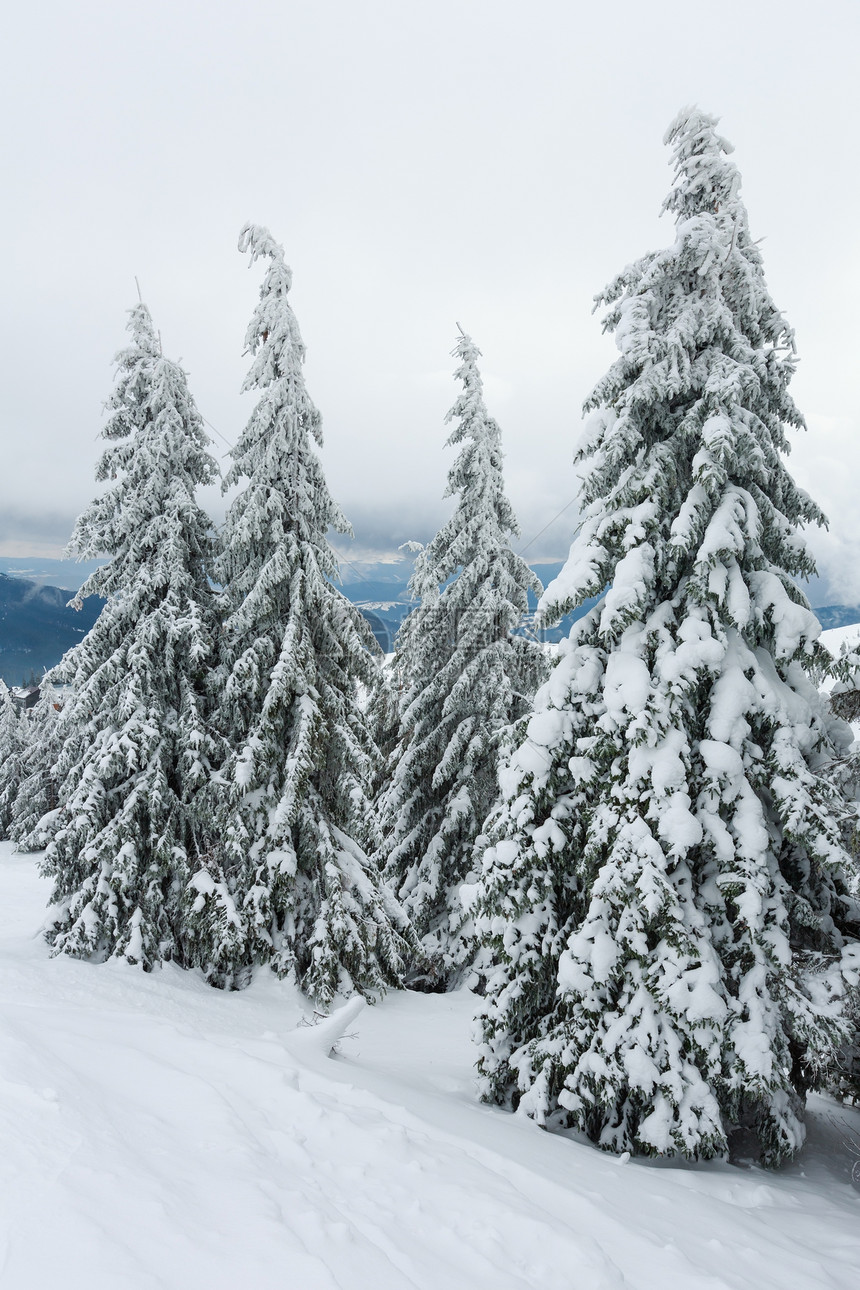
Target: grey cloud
x,y
470,166
38,528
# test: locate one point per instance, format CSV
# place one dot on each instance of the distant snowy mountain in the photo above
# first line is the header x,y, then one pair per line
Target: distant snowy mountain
x,y
36,630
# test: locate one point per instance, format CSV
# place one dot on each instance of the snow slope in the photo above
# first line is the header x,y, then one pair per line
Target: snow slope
x,y
835,637
157,1133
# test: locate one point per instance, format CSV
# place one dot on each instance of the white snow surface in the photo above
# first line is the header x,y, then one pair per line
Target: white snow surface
x,y
157,1133
835,637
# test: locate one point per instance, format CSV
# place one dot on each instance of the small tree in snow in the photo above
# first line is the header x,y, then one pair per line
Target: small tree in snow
x,y
288,881
136,743
665,899
465,679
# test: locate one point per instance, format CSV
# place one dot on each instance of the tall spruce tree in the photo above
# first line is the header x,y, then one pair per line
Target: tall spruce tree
x,y
288,880
465,679
137,744
665,898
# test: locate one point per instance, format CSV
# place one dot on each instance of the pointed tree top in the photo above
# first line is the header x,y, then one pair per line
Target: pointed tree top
x,y
142,330
465,349
704,180
258,241
469,404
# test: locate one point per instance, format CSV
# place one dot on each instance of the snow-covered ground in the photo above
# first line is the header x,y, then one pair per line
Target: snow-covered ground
x,y
835,637
157,1133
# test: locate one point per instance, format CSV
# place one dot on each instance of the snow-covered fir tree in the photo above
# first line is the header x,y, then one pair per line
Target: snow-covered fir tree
x,y
137,744
465,678
843,772
33,808
382,705
666,899
13,738
288,880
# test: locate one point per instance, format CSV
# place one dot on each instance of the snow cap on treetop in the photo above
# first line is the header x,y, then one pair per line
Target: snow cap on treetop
x,y
704,179
256,239
466,349
143,332
470,402
273,332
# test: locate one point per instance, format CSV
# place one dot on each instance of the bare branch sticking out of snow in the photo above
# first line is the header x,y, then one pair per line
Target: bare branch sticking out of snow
x,y
323,1036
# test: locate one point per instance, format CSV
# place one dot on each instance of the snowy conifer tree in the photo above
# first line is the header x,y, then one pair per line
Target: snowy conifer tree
x,y
33,810
665,899
13,738
289,881
843,773
137,745
465,679
383,718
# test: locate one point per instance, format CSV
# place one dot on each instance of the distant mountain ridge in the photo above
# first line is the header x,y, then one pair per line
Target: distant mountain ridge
x,y
381,591
390,582
68,575
37,627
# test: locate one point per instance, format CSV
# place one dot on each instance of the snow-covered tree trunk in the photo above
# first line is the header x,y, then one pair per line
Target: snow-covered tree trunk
x,y
288,880
466,677
136,740
666,899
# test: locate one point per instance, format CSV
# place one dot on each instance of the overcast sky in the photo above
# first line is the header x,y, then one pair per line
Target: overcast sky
x,y
423,163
